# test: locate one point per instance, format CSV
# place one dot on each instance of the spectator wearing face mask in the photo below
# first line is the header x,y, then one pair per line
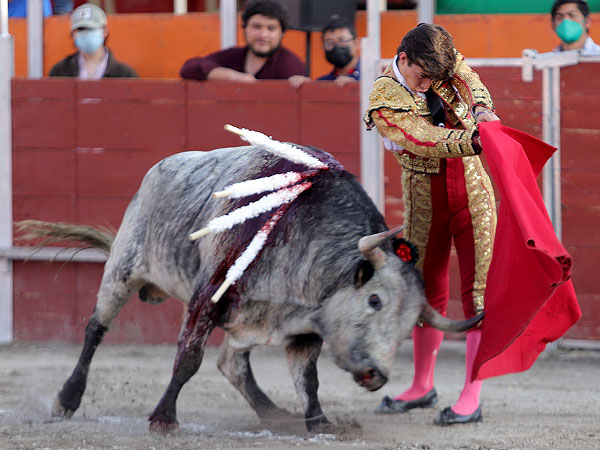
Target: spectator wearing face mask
x,y
341,50
571,22
93,59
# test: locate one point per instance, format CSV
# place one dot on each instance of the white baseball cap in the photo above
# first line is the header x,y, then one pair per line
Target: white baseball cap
x,y
88,16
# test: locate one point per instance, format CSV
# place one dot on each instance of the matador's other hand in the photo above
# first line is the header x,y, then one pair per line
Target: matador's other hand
x,y
485,115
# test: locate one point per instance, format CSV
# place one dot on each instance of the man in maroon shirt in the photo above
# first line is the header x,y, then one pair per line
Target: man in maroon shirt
x,y
263,58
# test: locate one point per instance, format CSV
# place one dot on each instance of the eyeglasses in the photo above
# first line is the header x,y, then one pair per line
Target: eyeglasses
x,y
330,43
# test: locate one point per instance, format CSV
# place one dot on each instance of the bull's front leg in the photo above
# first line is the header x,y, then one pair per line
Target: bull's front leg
x,y
235,365
200,321
302,355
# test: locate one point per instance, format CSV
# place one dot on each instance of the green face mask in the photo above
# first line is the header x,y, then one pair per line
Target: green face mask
x,y
569,31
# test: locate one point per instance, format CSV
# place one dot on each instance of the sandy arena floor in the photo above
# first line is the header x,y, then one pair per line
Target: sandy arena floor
x,y
556,405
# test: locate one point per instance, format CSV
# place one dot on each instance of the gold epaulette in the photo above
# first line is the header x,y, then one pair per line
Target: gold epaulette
x,y
389,93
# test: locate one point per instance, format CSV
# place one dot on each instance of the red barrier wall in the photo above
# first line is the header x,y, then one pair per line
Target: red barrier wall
x,y
82,148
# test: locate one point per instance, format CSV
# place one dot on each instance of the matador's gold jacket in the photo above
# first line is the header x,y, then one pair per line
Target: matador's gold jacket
x,y
405,119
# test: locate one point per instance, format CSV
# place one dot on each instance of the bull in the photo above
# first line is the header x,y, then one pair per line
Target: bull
x,y
327,272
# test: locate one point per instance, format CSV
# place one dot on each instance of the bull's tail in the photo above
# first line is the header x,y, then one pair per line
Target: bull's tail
x,y
436,320
100,238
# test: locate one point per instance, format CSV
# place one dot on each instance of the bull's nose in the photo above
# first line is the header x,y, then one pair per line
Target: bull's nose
x,y
370,378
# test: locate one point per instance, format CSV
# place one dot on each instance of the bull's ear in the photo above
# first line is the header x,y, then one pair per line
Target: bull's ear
x,y
364,272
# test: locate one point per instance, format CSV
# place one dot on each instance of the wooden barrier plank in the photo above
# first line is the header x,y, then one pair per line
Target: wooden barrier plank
x,y
582,78
131,124
44,299
588,326
579,149
49,123
44,172
106,211
114,172
580,188
54,209
331,127
506,83
269,107
581,225
586,265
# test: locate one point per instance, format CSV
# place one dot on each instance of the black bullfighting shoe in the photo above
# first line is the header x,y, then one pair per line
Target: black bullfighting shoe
x,y
449,417
390,406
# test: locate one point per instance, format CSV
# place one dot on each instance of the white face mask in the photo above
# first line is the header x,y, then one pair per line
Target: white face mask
x,y
88,41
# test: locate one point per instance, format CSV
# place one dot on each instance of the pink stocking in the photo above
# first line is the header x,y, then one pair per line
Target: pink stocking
x,y
469,397
426,341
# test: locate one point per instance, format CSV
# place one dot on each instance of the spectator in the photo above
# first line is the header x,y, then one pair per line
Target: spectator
x,y
93,60
18,8
341,49
263,58
571,21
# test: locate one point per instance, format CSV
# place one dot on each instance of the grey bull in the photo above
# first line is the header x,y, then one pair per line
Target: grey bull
x,y
327,272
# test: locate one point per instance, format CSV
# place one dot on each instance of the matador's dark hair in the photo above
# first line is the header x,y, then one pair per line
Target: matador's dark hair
x,y
432,49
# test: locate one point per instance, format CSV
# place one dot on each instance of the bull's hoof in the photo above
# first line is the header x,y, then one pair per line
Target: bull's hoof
x,y
157,426
61,412
320,426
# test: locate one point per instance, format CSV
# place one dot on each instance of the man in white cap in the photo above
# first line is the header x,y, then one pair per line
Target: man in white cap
x,y
93,60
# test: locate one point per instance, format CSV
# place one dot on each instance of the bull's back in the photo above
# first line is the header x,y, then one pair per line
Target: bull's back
x,y
174,200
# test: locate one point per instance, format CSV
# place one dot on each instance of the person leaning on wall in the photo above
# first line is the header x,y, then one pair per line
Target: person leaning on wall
x,y
262,58
571,21
93,59
342,51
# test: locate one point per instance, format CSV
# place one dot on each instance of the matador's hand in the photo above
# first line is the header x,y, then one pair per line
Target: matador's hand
x,y
484,115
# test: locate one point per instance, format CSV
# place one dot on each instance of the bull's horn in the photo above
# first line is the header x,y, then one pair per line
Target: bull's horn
x,y
369,246
436,320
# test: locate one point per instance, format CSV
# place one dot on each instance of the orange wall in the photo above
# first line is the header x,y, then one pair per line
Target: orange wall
x,y
156,45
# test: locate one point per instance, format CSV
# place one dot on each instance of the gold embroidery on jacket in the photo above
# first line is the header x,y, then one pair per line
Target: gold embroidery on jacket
x,y
481,199
418,164
418,211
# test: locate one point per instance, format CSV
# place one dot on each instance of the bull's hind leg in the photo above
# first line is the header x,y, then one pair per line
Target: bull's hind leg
x,y
115,289
235,365
199,323
302,355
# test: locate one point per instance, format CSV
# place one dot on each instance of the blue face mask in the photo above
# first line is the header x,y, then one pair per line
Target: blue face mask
x,y
88,41
569,31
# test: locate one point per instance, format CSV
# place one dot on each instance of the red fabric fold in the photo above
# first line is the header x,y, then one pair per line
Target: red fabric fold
x,y
529,298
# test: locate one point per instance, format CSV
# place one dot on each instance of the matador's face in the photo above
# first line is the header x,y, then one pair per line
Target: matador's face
x,y
413,74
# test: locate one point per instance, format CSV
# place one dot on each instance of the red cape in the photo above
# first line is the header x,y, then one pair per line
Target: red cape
x,y
529,298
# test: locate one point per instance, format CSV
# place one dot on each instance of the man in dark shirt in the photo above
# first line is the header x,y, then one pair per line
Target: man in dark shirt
x,y
263,58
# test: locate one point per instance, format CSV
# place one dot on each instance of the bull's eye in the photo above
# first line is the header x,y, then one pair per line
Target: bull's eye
x,y
375,302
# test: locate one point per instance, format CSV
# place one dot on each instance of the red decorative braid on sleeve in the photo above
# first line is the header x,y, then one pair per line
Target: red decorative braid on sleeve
x,y
406,135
